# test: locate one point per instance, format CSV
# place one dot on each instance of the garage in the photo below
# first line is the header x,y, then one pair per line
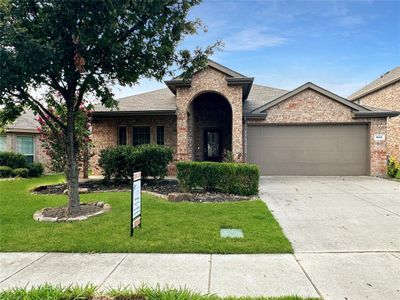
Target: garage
x,y
311,149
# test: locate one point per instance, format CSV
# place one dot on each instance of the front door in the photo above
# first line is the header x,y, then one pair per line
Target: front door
x,y
212,145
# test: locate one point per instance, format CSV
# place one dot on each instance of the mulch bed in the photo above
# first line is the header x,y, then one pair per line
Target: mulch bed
x,y
163,187
61,212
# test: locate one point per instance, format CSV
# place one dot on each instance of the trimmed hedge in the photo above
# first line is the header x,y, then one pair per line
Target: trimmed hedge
x,y
393,168
13,160
231,178
20,172
5,171
35,169
121,161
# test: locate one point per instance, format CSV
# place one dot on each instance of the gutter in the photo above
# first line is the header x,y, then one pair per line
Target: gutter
x,y
98,114
375,114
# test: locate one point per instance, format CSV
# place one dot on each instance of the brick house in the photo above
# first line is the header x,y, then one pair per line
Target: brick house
x,y
384,92
22,136
306,131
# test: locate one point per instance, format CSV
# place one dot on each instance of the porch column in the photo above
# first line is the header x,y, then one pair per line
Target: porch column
x,y
237,131
182,151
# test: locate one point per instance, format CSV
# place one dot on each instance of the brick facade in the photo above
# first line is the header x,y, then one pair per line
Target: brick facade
x,y
208,80
105,133
387,98
309,106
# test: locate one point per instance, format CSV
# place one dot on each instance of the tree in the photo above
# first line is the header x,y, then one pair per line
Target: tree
x,y
81,47
53,143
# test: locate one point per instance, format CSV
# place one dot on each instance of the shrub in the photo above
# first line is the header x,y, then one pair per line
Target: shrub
x,y
35,169
5,171
153,160
20,172
118,162
121,161
232,178
12,159
393,168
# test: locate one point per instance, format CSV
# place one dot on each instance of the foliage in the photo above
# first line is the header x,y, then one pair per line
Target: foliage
x,y
90,292
54,143
232,178
12,159
153,160
227,157
35,169
79,48
169,227
121,161
20,172
5,171
393,167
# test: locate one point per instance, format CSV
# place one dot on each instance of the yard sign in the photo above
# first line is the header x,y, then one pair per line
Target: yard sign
x,y
136,202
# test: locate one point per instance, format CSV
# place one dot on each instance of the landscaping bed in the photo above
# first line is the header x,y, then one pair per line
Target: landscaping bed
x,y
167,187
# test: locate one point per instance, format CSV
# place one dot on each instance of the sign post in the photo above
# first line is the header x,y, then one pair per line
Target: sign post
x,y
136,202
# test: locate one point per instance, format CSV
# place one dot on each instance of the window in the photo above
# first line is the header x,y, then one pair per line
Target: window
x,y
25,145
3,143
160,135
140,135
122,135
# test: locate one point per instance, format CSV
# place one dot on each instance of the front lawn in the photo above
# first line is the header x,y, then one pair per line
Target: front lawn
x,y
167,227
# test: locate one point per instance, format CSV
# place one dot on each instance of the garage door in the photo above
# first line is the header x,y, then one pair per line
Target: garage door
x,y
309,149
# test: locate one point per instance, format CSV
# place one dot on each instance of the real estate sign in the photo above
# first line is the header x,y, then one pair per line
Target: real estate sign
x,y
136,202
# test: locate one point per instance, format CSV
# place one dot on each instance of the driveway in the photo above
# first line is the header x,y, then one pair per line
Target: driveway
x,y
345,232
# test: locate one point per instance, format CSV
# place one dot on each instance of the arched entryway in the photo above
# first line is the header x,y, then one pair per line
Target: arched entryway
x,y
210,127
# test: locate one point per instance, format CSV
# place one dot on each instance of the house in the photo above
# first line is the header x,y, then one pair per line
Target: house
x,y
384,92
22,136
306,131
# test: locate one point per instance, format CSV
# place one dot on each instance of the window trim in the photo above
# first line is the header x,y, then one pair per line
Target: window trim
x,y
133,132
34,145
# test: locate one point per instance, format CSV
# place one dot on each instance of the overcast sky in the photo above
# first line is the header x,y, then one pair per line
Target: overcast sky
x,y
339,45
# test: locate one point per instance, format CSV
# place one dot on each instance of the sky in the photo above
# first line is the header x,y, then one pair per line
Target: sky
x,y
339,45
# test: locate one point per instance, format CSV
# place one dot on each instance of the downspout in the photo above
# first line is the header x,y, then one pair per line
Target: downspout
x,y
245,139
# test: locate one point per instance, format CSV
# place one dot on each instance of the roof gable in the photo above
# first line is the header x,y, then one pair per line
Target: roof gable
x,y
312,86
386,79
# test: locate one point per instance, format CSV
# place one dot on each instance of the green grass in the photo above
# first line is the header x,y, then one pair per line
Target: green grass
x,y
167,227
47,292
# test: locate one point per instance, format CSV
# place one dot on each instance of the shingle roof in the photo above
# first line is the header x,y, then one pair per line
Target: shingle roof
x,y
384,80
260,95
158,100
165,100
24,123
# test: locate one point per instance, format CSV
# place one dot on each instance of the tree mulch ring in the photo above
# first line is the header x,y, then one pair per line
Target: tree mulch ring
x,y
60,214
168,188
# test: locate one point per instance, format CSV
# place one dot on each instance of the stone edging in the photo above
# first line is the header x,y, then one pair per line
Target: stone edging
x,y
156,194
38,216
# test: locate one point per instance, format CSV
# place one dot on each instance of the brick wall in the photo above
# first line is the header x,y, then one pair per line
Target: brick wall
x,y
105,133
311,107
388,98
208,80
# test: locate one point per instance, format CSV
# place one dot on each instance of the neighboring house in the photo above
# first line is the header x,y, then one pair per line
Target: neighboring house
x,y
306,131
384,93
22,137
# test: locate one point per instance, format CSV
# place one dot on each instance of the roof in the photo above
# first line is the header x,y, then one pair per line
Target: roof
x,y
24,123
260,95
384,80
158,101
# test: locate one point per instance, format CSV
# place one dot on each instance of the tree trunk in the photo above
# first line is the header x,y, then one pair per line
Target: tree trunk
x,y
72,170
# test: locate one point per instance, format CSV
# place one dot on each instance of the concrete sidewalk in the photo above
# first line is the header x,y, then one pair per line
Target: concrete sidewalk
x,y
238,275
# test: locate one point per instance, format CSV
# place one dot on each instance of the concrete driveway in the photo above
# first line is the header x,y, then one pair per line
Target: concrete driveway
x,y
345,232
